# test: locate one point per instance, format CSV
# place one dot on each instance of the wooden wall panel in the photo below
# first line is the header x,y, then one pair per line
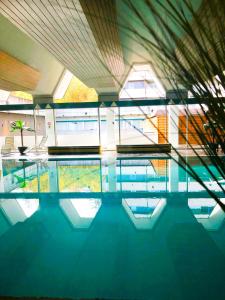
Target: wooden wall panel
x,y
185,127
14,75
160,166
182,125
193,135
162,129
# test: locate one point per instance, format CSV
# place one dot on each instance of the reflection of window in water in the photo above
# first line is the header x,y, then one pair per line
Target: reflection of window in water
x,y
142,208
144,212
207,212
29,206
79,178
201,208
86,208
18,210
80,212
134,170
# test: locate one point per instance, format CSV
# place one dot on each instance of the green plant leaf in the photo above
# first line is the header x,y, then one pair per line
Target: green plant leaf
x,y
19,125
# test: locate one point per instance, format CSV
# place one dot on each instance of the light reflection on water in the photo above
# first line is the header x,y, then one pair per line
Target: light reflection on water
x,y
131,229
94,175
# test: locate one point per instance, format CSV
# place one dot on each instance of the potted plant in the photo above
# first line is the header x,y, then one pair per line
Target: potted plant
x,y
20,125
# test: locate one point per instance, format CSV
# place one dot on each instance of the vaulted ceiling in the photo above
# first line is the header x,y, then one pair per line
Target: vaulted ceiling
x,y
88,37
88,46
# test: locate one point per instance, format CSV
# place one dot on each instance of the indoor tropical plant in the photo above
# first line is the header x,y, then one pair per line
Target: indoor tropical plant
x,y
20,125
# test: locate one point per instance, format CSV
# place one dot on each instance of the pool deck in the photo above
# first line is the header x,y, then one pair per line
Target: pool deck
x,y
44,155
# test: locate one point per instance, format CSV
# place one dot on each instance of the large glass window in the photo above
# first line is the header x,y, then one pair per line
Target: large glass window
x,y
108,126
143,125
142,83
77,127
18,97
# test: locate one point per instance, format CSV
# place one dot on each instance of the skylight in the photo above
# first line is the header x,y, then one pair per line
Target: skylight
x,y
63,85
4,96
142,83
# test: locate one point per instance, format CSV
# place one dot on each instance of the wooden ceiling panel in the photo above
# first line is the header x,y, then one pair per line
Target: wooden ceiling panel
x,y
14,75
88,47
101,16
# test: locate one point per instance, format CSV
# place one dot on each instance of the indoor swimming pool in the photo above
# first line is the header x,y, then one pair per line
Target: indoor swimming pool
x,y
112,228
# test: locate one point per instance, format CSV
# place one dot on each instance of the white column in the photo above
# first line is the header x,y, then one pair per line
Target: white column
x,y
112,176
53,177
110,129
173,175
173,123
109,172
50,127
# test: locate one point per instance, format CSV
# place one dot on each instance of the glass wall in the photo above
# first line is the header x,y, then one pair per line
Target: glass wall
x,y
143,125
106,126
18,97
77,127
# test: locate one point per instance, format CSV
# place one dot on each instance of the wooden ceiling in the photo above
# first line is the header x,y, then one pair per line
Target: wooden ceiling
x,y
14,75
83,35
78,33
100,12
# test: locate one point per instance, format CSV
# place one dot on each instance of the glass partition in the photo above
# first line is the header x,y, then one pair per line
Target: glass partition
x,y
182,125
77,127
85,124
143,125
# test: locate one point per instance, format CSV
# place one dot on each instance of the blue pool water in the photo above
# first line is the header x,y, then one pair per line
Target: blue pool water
x,y
128,228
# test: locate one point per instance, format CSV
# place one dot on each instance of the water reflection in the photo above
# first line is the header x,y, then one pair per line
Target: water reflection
x,y
110,229
107,175
144,212
142,175
133,247
18,210
80,212
207,212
